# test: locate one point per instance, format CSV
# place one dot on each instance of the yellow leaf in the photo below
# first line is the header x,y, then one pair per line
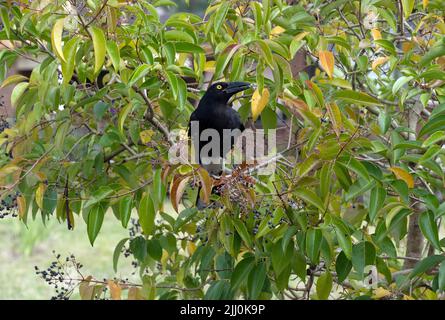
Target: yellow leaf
x,y
407,46
403,175
425,3
379,61
277,30
21,206
164,258
15,78
99,45
8,169
39,194
259,102
301,35
240,9
115,290
405,297
206,184
191,247
327,62
146,136
56,39
376,35
85,290
134,293
380,293
335,116
210,66
177,190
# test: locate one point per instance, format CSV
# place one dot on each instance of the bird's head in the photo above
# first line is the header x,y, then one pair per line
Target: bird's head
x,y
222,91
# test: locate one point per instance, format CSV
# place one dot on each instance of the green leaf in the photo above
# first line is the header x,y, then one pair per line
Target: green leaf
x,y
429,228
140,72
257,16
343,266
117,252
138,246
220,16
147,214
69,51
408,6
266,53
355,97
376,201
125,206
147,54
299,265
363,254
432,151
241,272
344,241
400,82
280,258
224,59
309,196
255,281
95,220
425,265
433,125
125,111
435,52
356,166
242,231
218,290
387,45
435,137
184,217
4,13
384,120
17,93
173,82
324,286
113,52
99,45
188,47
178,35
99,110
441,277
313,244
154,249
182,93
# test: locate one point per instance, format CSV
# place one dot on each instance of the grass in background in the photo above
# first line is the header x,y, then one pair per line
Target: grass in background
x,y
23,248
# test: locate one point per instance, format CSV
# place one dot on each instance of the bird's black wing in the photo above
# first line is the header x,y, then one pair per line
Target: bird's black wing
x,y
234,120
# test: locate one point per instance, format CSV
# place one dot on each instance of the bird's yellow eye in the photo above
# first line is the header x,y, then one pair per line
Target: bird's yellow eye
x,y
219,87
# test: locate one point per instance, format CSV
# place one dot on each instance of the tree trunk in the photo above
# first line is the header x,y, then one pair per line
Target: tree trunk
x,y
414,243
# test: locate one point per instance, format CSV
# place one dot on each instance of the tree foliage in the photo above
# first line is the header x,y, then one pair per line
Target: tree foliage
x,y
89,145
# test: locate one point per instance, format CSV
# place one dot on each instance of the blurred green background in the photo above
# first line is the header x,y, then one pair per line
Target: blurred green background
x,y
24,248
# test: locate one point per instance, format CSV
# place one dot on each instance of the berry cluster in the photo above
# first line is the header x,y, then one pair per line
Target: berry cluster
x,y
200,233
258,217
296,205
134,230
8,206
3,123
58,275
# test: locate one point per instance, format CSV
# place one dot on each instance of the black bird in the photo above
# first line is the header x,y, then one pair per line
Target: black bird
x,y
214,112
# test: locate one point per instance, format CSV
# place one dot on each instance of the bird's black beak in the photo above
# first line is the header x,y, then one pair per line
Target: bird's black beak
x,y
235,87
